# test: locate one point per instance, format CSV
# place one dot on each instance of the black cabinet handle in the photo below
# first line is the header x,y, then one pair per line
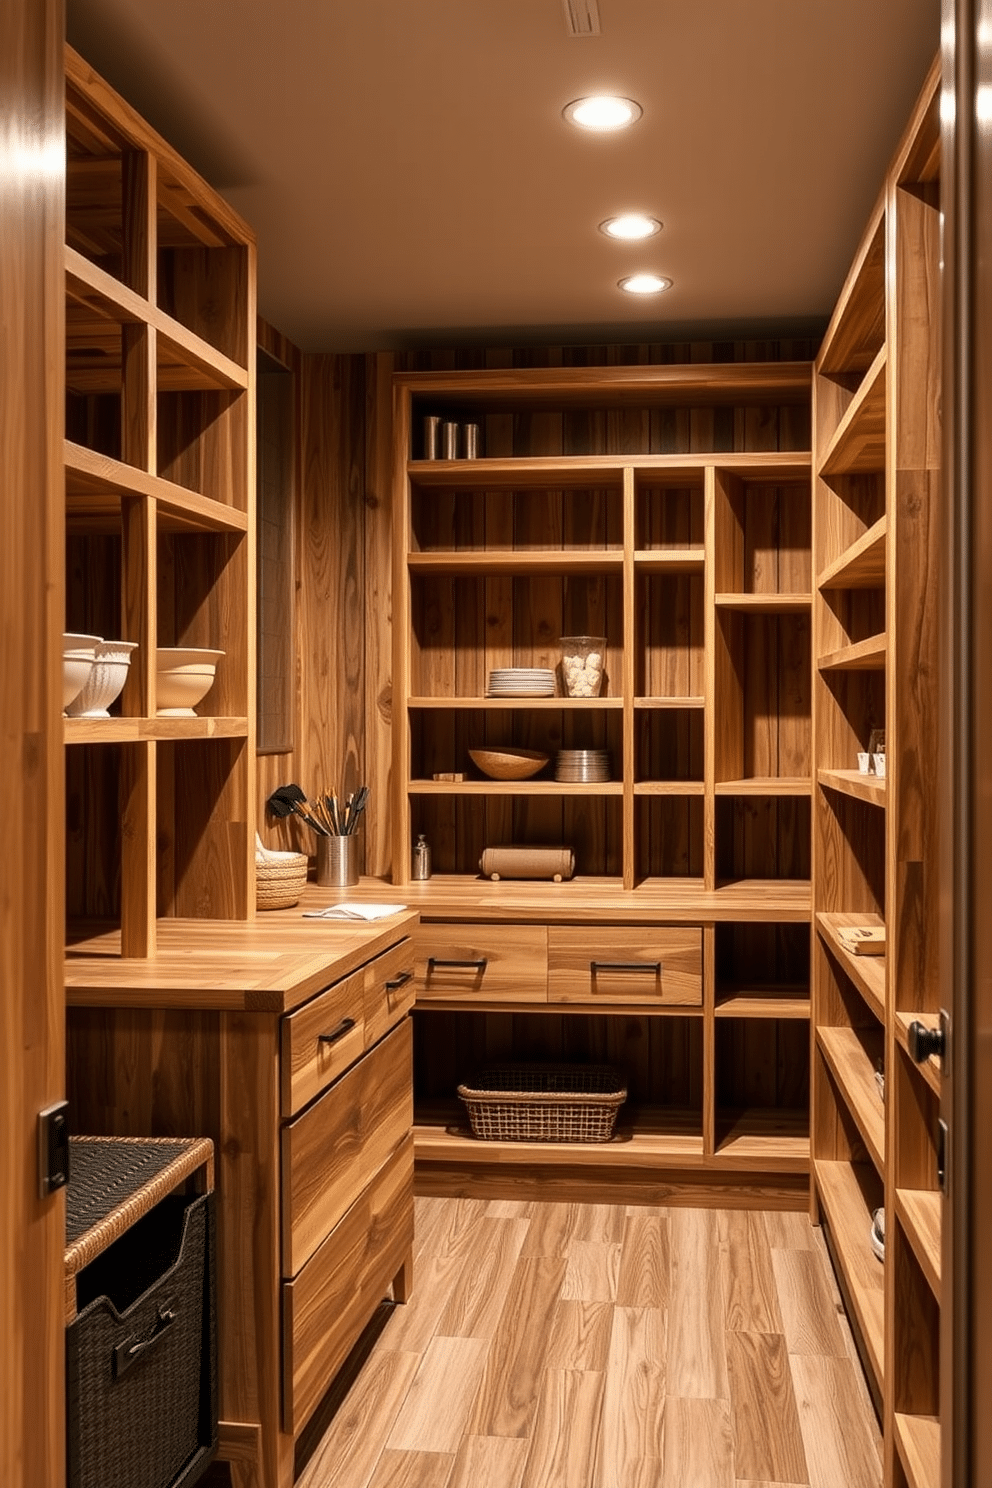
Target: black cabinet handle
x,y
924,1041
433,963
654,967
126,1354
345,1026
399,981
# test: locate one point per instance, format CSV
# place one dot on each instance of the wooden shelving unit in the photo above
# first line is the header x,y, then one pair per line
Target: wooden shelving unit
x,y
691,554
159,463
875,524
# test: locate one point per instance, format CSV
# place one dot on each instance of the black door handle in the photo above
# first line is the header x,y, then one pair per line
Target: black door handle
x,y
433,963
399,981
345,1026
654,967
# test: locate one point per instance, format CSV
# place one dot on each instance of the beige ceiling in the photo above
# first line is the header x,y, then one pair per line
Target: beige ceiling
x,y
410,178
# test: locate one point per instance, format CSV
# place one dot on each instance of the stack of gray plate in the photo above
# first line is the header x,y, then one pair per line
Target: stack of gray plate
x,y
582,766
521,682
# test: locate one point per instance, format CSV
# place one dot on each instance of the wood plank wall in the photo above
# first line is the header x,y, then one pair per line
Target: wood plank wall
x,y
32,1004
342,623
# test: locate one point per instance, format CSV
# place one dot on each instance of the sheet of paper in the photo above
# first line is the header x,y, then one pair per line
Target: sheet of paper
x,y
352,911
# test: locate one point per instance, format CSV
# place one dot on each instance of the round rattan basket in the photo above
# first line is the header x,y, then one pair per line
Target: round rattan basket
x,y
279,878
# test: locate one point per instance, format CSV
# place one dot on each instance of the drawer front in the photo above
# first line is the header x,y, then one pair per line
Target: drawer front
x,y
388,990
484,963
330,1153
322,1038
644,966
325,1309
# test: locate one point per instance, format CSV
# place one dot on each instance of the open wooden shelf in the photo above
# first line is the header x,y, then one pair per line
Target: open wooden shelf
x,y
866,972
860,566
850,1225
766,1138
658,703
863,656
670,560
919,1212
776,1000
765,785
95,485
858,444
513,788
669,788
513,561
862,787
130,730
857,326
855,1077
186,362
918,1441
508,705
765,604
661,1138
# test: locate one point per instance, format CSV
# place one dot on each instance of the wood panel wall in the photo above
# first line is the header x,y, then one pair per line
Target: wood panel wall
x,y
32,1004
343,695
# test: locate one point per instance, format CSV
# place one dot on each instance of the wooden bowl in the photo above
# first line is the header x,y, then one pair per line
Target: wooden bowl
x,y
509,764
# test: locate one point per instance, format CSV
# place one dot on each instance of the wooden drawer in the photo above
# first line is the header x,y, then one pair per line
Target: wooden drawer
x,y
327,1306
644,965
484,963
322,1038
331,1152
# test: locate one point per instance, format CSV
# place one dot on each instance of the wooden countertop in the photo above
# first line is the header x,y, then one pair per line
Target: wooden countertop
x,y
271,964
671,901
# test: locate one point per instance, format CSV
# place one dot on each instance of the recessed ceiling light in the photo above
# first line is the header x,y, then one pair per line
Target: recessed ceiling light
x,y
644,284
602,113
630,227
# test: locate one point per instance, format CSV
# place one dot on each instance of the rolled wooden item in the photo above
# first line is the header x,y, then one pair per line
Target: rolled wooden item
x,y
555,863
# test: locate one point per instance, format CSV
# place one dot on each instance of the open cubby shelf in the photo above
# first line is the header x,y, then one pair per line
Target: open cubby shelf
x,y
877,561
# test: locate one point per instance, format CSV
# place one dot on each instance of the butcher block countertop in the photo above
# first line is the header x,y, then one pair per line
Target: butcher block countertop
x,y
271,964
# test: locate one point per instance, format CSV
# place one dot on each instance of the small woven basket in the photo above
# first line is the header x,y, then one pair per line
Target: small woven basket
x,y
544,1102
280,879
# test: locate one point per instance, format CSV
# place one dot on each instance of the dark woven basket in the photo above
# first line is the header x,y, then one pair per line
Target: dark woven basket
x,y
141,1356
544,1102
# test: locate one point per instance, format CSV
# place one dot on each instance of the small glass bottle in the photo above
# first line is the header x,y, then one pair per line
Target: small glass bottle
x,y
421,860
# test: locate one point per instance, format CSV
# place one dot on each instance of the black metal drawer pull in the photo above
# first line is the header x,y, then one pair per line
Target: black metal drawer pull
x,y
126,1354
654,967
399,981
433,964
924,1041
345,1026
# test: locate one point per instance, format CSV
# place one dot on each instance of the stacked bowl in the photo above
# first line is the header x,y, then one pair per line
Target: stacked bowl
x,y
582,766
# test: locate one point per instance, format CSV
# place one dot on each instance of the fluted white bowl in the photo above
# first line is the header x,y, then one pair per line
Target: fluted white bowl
x,y
111,660
183,677
78,655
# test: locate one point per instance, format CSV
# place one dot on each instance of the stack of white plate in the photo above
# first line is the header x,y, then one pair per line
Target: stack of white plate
x,y
521,682
582,766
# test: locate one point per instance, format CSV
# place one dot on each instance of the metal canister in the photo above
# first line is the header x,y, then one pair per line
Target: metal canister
x,y
432,436
421,868
470,441
449,441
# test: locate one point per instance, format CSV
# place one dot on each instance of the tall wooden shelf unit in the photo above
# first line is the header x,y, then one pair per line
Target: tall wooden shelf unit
x,y
877,564
159,459
668,509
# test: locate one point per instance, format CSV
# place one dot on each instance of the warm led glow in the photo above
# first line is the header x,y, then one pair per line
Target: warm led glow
x,y
602,113
630,227
644,284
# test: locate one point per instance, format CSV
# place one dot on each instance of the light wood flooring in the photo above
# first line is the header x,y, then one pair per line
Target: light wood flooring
x,y
597,1346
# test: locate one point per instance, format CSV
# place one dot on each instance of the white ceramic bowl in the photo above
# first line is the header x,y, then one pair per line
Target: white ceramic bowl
x,y
111,660
183,677
78,655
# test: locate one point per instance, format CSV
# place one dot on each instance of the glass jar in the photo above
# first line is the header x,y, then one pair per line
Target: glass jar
x,y
583,664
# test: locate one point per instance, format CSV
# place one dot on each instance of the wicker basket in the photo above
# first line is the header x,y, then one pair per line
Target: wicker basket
x,y
279,879
544,1102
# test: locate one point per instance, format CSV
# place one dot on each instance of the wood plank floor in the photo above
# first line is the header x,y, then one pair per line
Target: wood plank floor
x,y
595,1346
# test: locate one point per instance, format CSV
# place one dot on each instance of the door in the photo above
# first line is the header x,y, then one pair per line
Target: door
x,y
966,880
32,1229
